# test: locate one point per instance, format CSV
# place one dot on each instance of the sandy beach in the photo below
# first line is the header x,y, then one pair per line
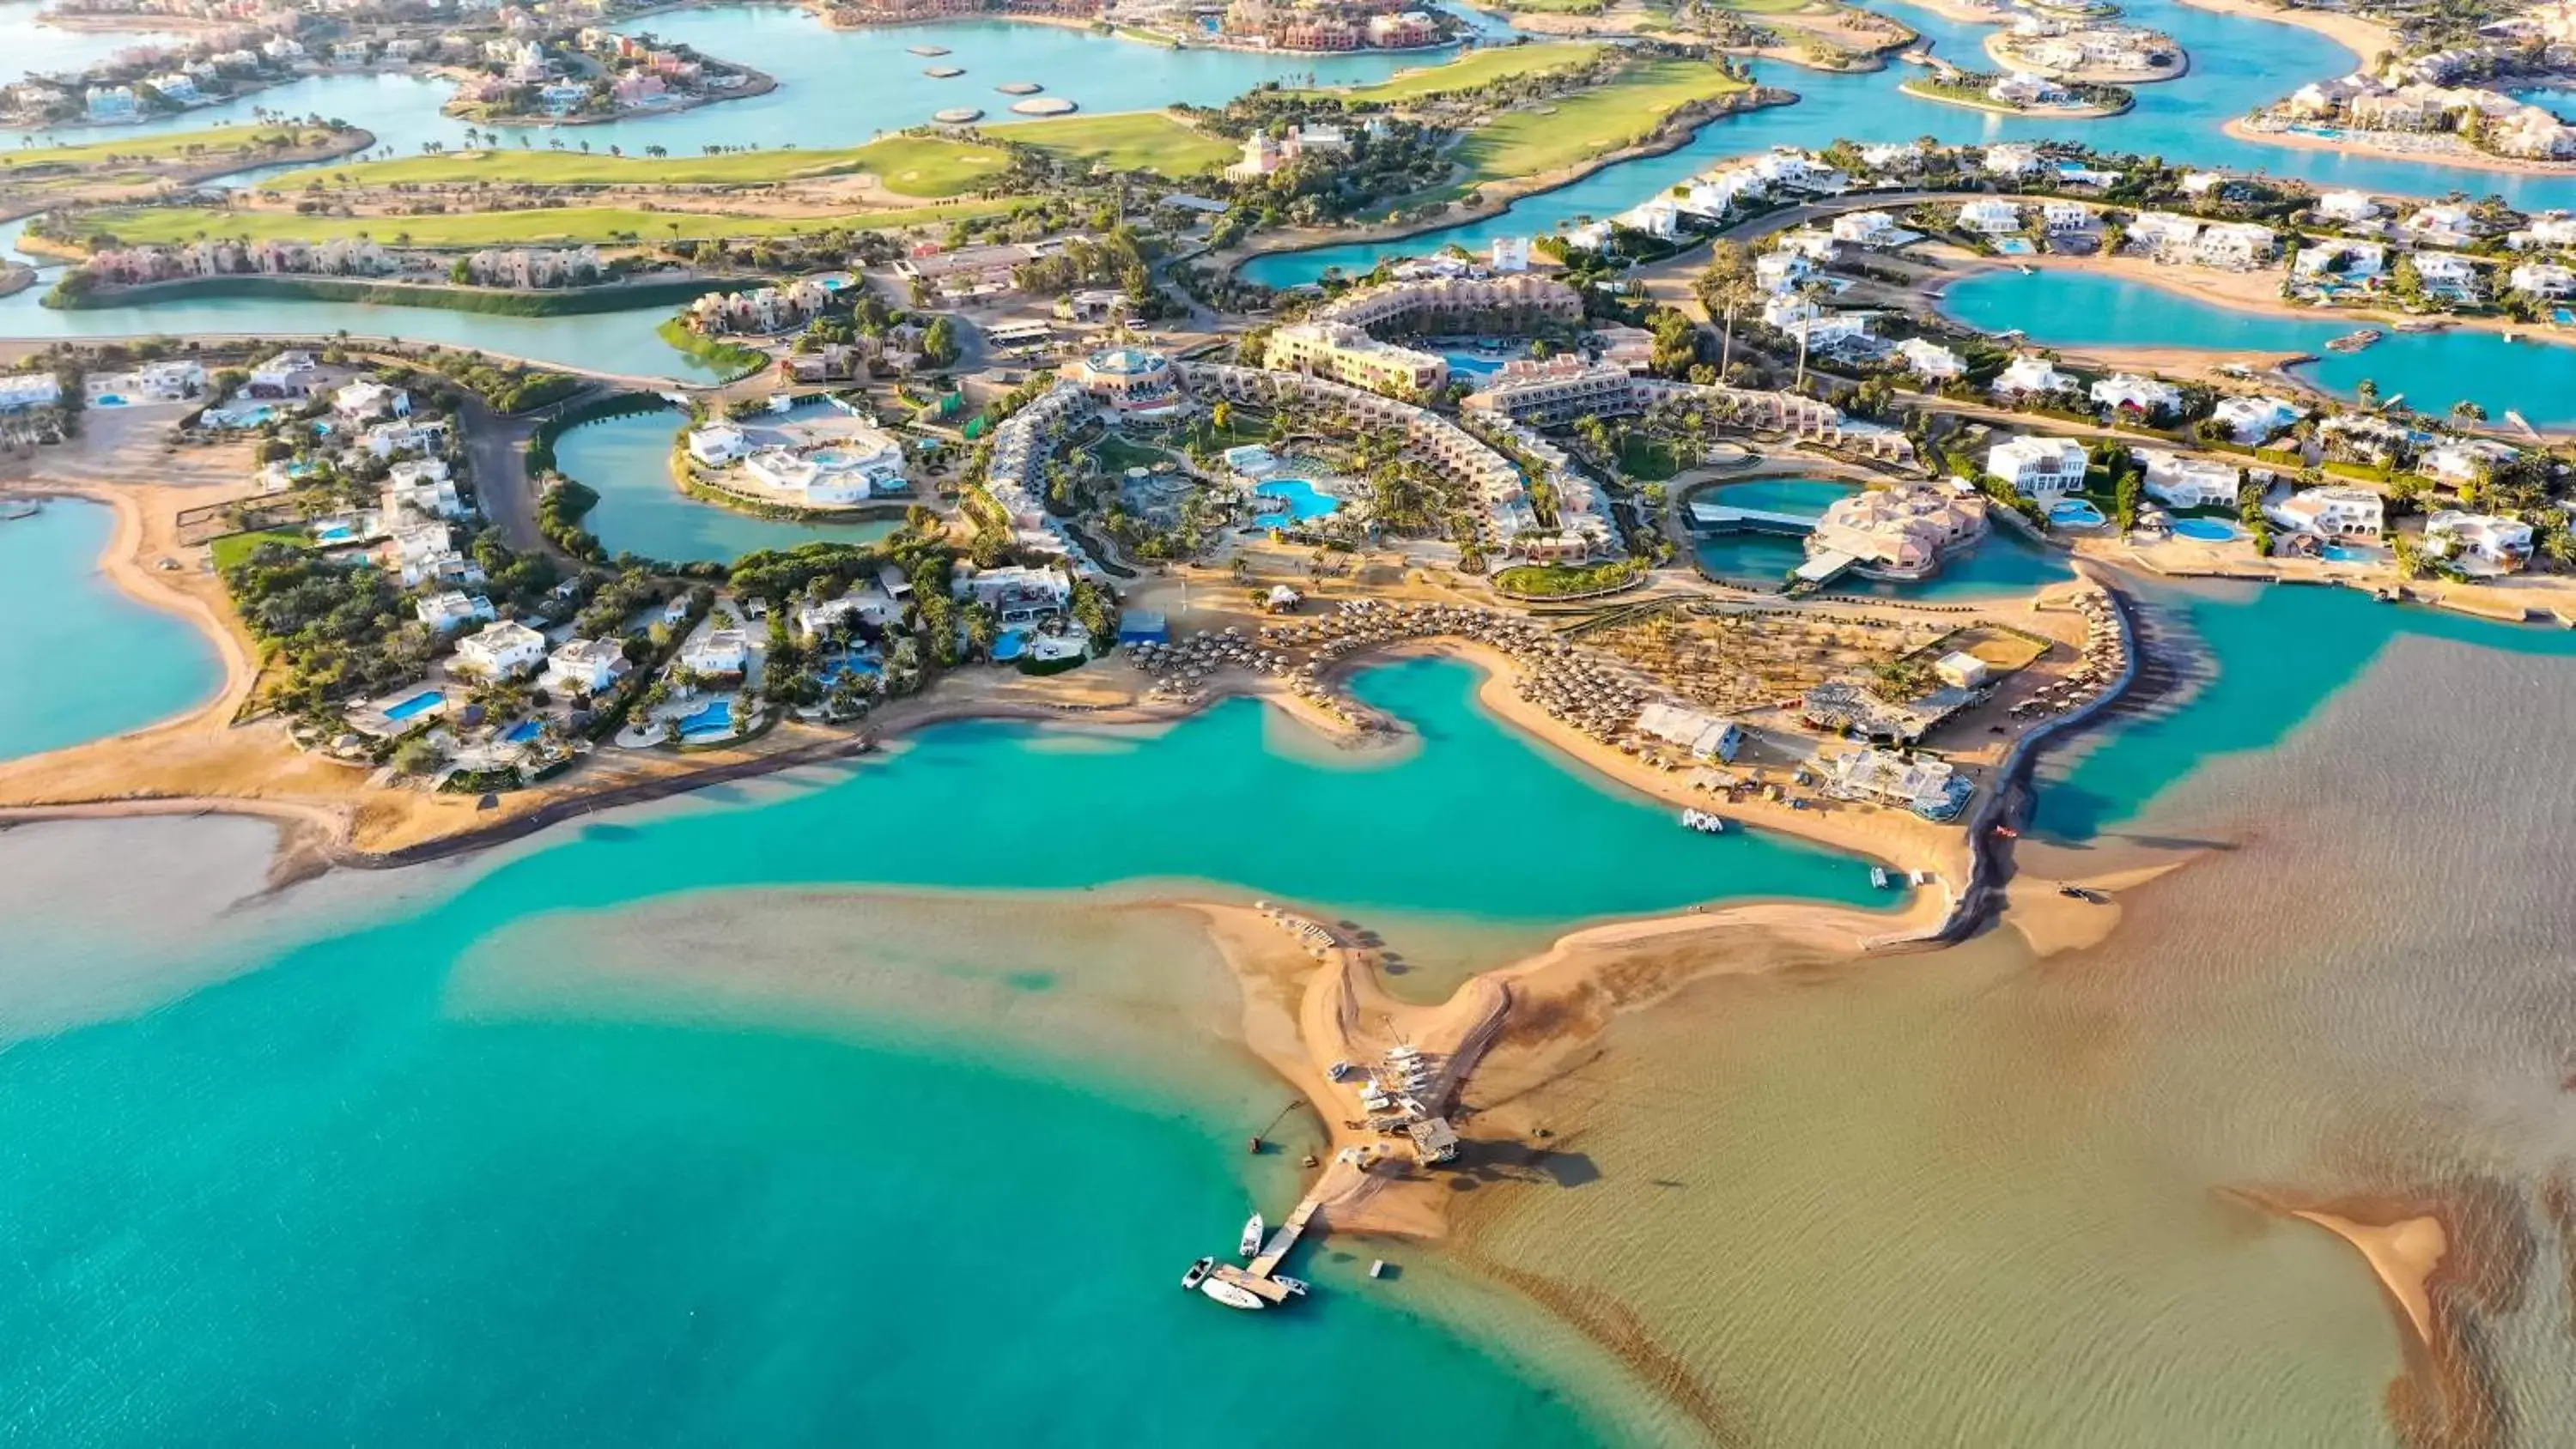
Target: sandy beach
x,y
2363,37
2399,146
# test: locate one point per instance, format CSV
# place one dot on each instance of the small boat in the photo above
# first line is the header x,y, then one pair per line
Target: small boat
x,y
1878,876
2355,341
1296,1286
1377,1267
1198,1272
1252,1228
1231,1295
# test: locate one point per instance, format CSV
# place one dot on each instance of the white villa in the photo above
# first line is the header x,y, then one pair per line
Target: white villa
x,y
2334,511
718,652
2030,375
365,401
2462,460
2145,396
2347,206
2180,482
2252,419
2543,279
1930,360
1990,217
585,666
2480,541
21,391
453,610
501,651
2039,467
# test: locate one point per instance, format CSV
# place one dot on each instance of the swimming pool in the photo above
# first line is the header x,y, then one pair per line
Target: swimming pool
x,y
1304,500
110,400
421,703
2207,530
1010,644
711,721
335,533
2075,513
2345,553
2014,246
522,732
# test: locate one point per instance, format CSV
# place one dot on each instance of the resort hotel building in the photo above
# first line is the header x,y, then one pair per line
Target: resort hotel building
x,y
1516,304
1556,392
1345,353
858,465
1130,381
1903,532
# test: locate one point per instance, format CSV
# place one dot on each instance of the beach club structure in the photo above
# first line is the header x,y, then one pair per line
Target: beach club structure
x,y
1903,532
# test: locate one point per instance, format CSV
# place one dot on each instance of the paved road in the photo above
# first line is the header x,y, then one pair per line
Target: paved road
x,y
496,449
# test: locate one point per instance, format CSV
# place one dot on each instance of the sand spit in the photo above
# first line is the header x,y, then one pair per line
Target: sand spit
x,y
2450,1260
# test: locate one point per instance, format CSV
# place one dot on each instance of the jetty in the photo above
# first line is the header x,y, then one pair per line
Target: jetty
x,y
1725,518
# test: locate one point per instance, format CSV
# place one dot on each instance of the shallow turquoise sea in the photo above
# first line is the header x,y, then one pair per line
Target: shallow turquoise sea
x,y
462,1169
81,660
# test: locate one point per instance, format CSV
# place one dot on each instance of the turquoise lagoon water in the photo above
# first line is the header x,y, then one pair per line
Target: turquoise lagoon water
x,y
82,659
628,460
559,1153
2433,369
49,50
816,103
2004,564
2236,64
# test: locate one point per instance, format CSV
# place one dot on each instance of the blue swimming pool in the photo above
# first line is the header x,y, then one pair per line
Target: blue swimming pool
x,y
2075,513
522,732
711,721
1010,644
245,418
418,704
2207,530
110,400
1304,500
2344,553
2013,246
335,533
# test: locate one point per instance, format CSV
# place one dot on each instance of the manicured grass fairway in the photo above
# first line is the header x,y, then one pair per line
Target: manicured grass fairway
x,y
1557,134
178,145
924,166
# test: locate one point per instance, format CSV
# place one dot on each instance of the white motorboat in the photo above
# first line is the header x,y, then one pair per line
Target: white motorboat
x,y
1878,876
1198,1272
1295,1286
1252,1228
1230,1295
